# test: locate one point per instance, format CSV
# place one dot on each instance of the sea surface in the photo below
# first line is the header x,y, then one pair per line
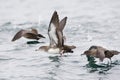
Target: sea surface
x,y
90,22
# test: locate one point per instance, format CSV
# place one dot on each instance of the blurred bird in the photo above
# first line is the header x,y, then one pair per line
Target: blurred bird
x,y
55,33
100,52
30,34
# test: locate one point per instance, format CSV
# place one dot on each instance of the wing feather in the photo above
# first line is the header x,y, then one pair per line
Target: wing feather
x,y
115,52
62,23
18,35
54,23
60,38
33,30
100,54
31,36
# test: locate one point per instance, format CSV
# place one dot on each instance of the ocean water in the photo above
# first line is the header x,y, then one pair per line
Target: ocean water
x,y
90,22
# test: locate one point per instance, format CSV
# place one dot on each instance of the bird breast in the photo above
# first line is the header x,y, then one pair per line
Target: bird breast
x,y
54,50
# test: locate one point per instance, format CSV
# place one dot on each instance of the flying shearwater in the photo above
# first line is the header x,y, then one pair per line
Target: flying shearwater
x,y
29,34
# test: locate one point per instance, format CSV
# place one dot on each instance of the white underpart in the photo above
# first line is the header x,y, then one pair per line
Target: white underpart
x,y
52,33
54,50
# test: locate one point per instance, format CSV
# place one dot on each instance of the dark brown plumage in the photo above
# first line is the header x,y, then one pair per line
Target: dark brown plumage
x,y
55,33
68,49
100,52
30,34
55,30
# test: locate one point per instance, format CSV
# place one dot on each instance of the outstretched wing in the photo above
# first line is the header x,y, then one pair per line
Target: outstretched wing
x,y
60,38
19,35
54,23
70,47
33,30
115,52
62,23
100,54
60,32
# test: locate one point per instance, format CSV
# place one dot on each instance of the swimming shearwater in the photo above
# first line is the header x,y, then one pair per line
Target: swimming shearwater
x,y
30,34
55,33
100,52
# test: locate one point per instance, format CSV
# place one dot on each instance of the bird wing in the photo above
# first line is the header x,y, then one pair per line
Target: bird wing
x,y
114,52
100,54
18,35
33,30
62,23
30,35
60,38
54,23
70,47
